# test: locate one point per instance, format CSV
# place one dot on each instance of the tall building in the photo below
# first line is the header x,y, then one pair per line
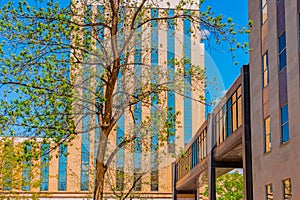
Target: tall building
x,y
275,107
70,171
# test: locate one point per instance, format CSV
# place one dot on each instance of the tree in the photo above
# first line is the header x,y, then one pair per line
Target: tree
x,y
229,186
61,66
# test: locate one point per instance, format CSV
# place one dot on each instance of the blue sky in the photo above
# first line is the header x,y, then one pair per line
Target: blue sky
x,y
238,10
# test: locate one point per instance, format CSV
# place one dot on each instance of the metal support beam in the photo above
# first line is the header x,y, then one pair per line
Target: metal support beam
x,y
229,164
174,178
212,177
247,152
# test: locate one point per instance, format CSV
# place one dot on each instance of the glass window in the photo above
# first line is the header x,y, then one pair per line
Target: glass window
x,y
120,179
221,126
62,168
264,11
228,119
195,156
299,32
285,136
267,135
45,167
85,160
234,112
287,189
26,176
205,144
239,107
282,51
137,179
265,69
269,192
154,180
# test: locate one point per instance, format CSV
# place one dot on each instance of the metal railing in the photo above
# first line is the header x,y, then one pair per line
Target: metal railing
x,y
226,120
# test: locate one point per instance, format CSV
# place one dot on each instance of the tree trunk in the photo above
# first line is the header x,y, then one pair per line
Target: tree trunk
x,y
99,184
100,169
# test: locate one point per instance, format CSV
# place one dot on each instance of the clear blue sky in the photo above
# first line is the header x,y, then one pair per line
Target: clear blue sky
x,y
238,10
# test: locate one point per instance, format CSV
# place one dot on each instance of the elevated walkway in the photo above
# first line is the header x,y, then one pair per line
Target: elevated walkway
x,y
221,144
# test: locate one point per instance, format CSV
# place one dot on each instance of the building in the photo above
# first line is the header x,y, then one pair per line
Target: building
x,y
271,155
70,171
274,81
221,144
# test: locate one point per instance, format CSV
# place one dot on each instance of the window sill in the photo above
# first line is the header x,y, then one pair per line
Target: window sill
x,y
267,153
284,144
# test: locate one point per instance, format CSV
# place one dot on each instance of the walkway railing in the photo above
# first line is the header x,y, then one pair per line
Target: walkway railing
x,y
226,120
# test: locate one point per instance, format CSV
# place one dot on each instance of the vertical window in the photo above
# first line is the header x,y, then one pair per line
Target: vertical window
x,y
204,143
62,168
264,11
215,124
45,167
267,135
265,69
221,125
85,161
137,176
195,155
26,168
298,31
154,180
187,84
120,155
120,179
228,119
239,104
224,122
285,135
171,71
269,192
287,189
200,147
282,51
234,112
85,136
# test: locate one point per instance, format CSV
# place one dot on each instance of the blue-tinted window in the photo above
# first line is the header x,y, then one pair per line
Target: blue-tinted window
x,y
299,32
195,151
26,169
171,71
228,118
154,102
45,167
85,158
62,168
137,156
120,155
282,51
85,139
187,87
285,135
